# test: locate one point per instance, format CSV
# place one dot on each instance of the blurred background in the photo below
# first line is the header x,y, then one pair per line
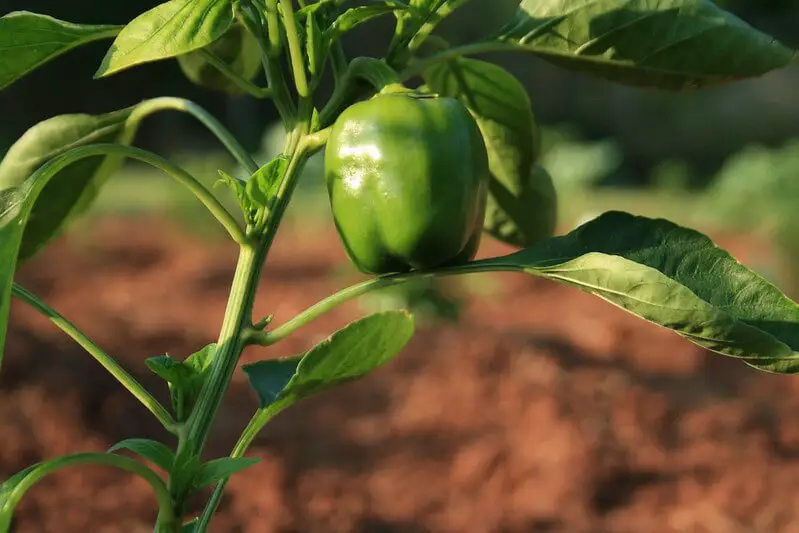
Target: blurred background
x,y
519,407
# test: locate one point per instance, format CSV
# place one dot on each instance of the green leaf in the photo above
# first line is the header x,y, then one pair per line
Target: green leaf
x,y
262,186
669,44
237,187
672,276
157,453
168,30
521,207
348,354
185,379
70,192
190,526
525,215
218,469
237,48
29,40
270,377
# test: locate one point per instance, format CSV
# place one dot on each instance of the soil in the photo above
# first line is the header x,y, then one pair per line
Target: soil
x,y
543,410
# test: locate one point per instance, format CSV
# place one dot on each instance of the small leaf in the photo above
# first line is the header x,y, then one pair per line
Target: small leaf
x,y
168,30
168,369
185,379
190,526
521,207
669,44
263,185
237,187
237,48
348,354
29,40
157,453
217,469
70,192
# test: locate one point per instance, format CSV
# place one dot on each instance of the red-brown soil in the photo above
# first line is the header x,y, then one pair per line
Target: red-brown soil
x,y
543,410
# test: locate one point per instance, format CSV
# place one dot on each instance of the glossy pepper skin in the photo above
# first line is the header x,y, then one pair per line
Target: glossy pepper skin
x,y
407,176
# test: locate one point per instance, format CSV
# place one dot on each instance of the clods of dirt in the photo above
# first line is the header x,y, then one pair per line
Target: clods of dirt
x,y
543,410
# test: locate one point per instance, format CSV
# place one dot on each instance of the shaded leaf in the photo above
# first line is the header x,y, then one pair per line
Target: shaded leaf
x,y
29,40
237,48
70,192
168,30
521,207
669,44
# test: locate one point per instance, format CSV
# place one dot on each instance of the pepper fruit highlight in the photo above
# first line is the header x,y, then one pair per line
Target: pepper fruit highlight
x,y
407,176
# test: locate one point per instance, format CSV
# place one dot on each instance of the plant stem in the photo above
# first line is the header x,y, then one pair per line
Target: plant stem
x,y
299,144
269,42
256,424
167,521
295,49
105,360
230,344
208,120
184,178
374,71
268,338
241,82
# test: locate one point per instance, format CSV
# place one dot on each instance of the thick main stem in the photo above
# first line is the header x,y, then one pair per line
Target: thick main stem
x,y
230,344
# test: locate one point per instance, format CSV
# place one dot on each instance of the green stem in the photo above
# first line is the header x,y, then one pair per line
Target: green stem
x,y
269,43
273,27
299,143
295,49
444,10
268,338
105,360
338,62
256,424
167,522
237,320
205,196
374,71
204,117
241,82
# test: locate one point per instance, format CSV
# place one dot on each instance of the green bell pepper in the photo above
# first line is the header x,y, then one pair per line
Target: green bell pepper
x,y
407,175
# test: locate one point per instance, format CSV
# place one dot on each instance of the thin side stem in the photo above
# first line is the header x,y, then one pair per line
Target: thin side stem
x,y
167,522
227,139
256,424
105,360
268,338
241,82
269,43
295,49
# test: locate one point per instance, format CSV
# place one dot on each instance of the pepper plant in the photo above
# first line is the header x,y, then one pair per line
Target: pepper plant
x,y
430,148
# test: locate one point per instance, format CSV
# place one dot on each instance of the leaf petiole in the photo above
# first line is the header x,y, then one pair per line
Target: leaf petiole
x,y
105,360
